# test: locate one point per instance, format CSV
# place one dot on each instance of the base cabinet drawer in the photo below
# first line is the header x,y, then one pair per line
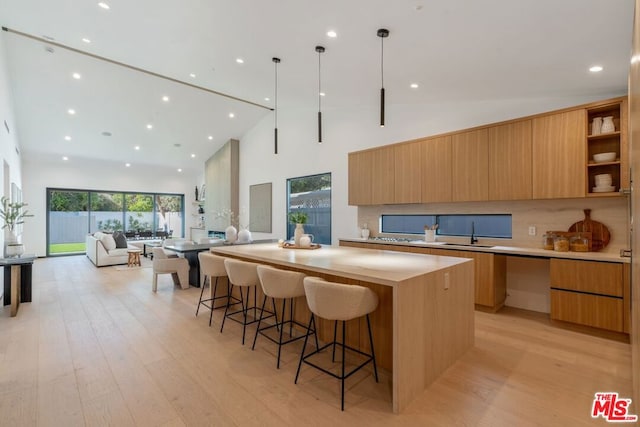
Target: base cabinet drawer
x,y
586,309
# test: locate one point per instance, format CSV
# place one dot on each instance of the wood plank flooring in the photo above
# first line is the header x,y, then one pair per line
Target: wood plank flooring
x,y
96,347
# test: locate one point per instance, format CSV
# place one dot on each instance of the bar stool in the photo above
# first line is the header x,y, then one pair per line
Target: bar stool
x,y
335,301
212,266
285,285
242,274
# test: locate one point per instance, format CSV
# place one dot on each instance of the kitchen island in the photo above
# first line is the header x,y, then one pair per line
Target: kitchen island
x,y
424,321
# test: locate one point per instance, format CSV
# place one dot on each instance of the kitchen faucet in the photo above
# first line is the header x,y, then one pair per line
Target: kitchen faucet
x,y
473,237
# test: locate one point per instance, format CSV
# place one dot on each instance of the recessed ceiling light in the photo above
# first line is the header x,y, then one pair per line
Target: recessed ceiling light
x,y
104,5
192,75
65,158
106,133
76,76
71,111
596,68
177,145
86,40
127,164
137,148
240,60
332,34
193,156
149,126
210,138
267,99
179,169
231,115
165,98
67,138
322,94
414,85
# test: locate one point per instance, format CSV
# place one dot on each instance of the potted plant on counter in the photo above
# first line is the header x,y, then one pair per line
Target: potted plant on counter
x,y
12,214
298,218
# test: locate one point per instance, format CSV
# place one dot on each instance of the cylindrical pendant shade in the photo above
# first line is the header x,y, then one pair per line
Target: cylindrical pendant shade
x,y
319,127
382,107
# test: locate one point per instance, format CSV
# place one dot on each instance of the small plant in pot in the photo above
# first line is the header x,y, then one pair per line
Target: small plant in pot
x,y
298,218
12,215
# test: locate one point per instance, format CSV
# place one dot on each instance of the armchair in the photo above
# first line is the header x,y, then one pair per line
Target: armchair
x,y
177,267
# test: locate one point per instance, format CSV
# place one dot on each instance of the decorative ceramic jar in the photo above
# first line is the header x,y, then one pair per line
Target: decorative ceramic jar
x,y
230,234
596,126
297,234
607,125
244,236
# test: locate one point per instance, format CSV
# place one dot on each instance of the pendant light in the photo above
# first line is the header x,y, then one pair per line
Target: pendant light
x,y
276,61
320,50
382,33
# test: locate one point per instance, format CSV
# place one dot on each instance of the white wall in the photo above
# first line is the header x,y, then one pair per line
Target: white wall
x,y
9,141
41,173
347,130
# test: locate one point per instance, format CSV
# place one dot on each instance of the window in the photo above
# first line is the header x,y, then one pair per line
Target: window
x,y
484,225
74,213
311,195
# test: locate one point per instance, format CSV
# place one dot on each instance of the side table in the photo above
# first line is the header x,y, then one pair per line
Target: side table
x,y
134,258
17,280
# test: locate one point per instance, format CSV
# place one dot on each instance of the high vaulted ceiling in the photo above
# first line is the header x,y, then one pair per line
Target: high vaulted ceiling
x,y
454,50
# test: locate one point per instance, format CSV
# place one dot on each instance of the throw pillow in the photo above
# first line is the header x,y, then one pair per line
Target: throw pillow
x,y
98,235
121,240
108,242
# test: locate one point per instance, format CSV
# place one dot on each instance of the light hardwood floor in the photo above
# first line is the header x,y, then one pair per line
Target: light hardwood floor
x,y
97,347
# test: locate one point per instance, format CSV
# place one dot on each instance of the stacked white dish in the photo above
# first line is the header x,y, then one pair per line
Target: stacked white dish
x,y
603,183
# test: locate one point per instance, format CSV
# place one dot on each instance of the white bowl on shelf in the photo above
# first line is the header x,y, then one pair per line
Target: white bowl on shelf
x,y
604,189
604,157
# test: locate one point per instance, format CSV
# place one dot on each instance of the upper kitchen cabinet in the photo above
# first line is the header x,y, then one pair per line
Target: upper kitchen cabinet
x,y
435,155
510,173
407,173
371,176
607,146
559,155
470,166
360,177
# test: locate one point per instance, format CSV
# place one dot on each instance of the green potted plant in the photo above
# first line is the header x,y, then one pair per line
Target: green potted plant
x,y
12,214
298,218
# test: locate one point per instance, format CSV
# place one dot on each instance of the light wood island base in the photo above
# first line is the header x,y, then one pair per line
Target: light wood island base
x,y
425,319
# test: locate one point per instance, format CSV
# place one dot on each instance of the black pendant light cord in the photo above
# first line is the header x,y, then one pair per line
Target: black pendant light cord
x,y
382,33
276,61
320,50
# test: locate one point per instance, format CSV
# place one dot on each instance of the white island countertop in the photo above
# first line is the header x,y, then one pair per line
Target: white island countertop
x,y
375,266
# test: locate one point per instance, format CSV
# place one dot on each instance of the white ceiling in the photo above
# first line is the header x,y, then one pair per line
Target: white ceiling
x,y
454,49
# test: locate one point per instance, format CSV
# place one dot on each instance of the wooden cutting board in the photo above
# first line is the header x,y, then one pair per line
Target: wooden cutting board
x,y
600,235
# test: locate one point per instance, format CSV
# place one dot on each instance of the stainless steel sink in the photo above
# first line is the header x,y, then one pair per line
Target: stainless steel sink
x,y
468,244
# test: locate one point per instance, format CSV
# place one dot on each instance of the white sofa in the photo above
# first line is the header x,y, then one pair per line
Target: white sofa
x,y
100,256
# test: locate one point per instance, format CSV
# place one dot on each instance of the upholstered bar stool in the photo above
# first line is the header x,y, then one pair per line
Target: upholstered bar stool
x,y
244,275
212,266
284,285
338,302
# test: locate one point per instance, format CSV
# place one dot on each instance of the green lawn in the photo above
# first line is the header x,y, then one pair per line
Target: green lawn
x,y
61,248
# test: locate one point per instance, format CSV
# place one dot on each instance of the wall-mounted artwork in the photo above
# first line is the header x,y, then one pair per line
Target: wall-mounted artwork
x,y
260,207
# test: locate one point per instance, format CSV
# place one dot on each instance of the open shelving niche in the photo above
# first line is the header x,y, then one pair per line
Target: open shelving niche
x,y
606,143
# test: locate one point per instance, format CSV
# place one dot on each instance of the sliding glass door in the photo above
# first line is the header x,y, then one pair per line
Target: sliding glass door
x,y
67,221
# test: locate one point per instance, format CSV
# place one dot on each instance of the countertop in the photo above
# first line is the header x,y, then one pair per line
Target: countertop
x,y
375,266
506,250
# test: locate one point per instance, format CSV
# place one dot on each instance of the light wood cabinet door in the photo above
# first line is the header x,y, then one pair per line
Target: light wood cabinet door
x,y
602,278
470,169
559,155
586,309
407,173
435,155
383,176
360,164
510,150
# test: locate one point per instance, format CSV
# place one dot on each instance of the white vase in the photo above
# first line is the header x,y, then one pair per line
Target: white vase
x,y
230,234
297,234
244,236
607,125
596,126
10,239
